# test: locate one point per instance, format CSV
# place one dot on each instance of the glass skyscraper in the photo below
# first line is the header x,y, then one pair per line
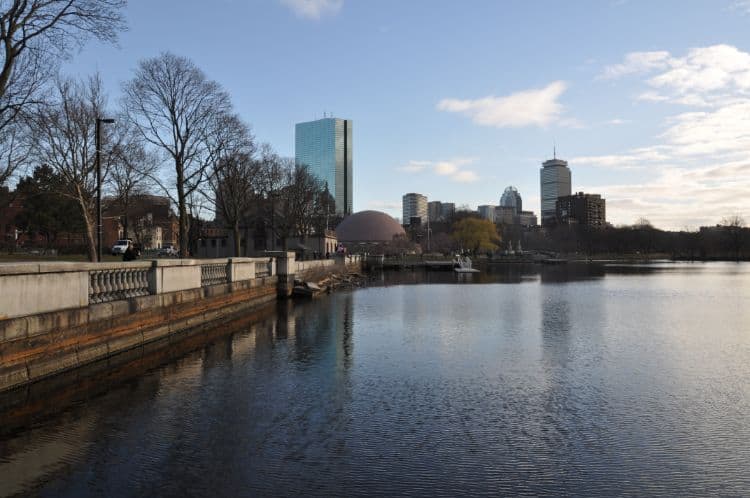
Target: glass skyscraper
x,y
555,182
325,146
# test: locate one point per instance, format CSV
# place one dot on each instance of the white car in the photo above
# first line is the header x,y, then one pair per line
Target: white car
x,y
120,246
168,251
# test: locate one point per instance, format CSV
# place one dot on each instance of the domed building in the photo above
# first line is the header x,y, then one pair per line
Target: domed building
x,y
368,227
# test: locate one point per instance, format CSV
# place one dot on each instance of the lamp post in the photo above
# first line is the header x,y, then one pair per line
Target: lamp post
x,y
97,131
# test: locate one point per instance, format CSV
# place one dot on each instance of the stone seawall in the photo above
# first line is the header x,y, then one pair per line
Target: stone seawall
x,y
55,317
35,347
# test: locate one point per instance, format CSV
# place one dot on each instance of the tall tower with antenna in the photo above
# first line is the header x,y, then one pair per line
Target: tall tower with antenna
x,y
555,181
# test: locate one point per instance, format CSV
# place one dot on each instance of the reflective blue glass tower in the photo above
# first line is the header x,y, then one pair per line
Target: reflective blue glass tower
x,y
325,146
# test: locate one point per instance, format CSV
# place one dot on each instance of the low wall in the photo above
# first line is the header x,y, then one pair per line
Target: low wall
x,y
58,316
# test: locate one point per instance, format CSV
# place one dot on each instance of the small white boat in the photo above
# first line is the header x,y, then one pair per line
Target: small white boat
x,y
462,264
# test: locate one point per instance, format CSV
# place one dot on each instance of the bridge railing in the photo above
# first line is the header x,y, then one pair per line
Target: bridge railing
x,y
32,288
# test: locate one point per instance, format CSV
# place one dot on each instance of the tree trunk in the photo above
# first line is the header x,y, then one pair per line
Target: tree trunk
x,y
236,230
182,208
89,234
127,212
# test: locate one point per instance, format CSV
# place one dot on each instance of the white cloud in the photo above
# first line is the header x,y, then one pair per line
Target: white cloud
x,y
699,165
465,177
414,166
677,197
618,121
704,77
743,6
637,62
451,168
313,9
722,131
535,107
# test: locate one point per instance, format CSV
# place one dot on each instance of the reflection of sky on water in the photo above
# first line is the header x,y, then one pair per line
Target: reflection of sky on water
x,y
576,380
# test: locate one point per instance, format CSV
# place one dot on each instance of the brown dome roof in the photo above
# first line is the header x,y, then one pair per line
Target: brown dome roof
x,y
368,226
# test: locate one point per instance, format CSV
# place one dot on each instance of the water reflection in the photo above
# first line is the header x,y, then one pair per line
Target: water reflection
x,y
572,381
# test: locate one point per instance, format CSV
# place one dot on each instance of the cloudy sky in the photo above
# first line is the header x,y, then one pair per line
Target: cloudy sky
x,y
648,101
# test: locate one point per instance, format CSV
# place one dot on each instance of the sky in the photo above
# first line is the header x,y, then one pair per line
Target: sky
x,y
649,102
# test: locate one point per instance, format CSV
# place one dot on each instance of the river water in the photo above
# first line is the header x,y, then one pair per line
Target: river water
x,y
574,380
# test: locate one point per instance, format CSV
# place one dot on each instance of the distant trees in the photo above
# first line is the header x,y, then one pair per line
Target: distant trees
x,y
178,110
45,210
476,235
735,233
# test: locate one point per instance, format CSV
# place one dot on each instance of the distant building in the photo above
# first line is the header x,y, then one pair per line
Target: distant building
x,y
554,182
505,215
434,211
414,206
584,209
150,220
511,198
447,211
325,146
487,212
526,219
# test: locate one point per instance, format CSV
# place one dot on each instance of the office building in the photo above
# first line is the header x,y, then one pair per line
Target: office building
x,y
512,199
583,209
554,182
414,207
487,212
325,146
526,219
505,215
434,211
447,211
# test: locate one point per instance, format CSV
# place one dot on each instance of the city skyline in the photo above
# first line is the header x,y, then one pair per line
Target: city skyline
x,y
656,123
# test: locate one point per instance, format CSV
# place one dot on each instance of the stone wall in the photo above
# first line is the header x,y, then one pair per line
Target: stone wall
x,y
56,317
59,316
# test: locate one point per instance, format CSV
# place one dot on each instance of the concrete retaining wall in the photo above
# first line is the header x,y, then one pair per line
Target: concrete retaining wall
x,y
37,346
59,316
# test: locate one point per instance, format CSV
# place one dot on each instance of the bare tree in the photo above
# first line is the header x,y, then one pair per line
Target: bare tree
x,y
237,180
36,34
735,230
15,148
303,191
177,109
131,169
64,140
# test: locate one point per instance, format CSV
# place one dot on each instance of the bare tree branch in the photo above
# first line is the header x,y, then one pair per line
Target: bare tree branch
x,y
177,109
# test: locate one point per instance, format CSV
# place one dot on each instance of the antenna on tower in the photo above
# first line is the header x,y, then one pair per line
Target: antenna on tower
x,y
554,150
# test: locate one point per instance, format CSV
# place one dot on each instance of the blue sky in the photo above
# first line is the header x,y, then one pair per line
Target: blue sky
x,y
648,101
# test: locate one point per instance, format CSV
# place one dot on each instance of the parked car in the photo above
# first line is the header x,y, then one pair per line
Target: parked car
x,y
120,246
168,251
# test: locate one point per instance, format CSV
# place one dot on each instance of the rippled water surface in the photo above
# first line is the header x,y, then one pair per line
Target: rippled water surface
x,y
593,380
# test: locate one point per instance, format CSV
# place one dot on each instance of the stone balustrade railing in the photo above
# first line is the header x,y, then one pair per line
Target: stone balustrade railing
x,y
32,288
264,268
118,283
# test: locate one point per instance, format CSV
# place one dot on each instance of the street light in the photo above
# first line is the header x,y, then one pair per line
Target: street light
x,y
98,131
